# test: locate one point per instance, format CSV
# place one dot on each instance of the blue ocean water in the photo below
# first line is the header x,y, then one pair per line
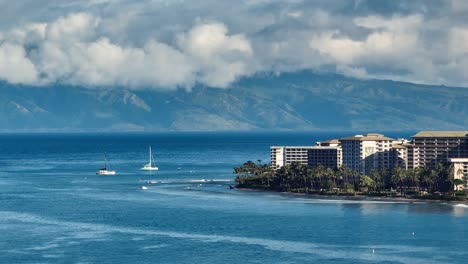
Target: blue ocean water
x,y
55,209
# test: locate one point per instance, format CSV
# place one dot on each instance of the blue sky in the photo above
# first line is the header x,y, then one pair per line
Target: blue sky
x,y
165,44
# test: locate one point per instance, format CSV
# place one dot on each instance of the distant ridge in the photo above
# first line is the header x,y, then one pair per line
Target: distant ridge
x,y
295,101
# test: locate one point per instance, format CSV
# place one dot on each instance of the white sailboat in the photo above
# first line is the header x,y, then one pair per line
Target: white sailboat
x,y
150,166
106,169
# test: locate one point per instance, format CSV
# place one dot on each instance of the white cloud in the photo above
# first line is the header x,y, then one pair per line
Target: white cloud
x,y
15,67
69,50
398,23
206,40
459,5
102,63
458,41
75,27
389,39
392,44
341,49
170,44
221,58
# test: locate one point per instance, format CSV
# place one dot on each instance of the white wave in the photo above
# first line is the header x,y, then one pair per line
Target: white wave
x,y
44,247
342,201
199,180
52,256
16,251
210,180
35,167
181,181
56,189
323,250
154,247
461,205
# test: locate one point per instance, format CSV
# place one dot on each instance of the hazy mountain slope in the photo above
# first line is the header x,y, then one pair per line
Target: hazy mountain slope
x,y
299,101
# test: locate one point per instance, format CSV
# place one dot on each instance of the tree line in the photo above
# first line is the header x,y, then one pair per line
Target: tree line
x,y
296,177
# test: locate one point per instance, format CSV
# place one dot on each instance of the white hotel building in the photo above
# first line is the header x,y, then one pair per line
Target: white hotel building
x,y
360,152
328,156
366,152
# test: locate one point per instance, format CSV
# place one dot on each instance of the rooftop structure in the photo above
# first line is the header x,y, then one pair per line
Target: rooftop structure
x,y
441,134
331,143
368,137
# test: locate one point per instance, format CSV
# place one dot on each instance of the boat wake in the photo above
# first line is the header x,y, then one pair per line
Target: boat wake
x,y
210,180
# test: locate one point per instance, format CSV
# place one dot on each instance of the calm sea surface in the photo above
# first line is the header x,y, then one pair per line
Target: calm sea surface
x,y
55,209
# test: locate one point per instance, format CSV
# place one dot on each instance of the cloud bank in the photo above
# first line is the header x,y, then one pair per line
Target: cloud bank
x,y
178,44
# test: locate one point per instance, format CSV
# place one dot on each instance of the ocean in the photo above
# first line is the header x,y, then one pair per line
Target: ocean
x,y
55,209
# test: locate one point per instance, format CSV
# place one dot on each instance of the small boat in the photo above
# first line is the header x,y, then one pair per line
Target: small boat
x,y
106,169
150,166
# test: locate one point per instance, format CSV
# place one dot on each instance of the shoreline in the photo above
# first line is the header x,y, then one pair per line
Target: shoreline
x,y
357,197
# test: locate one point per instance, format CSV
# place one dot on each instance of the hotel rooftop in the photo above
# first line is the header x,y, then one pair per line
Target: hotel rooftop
x,y
445,134
368,137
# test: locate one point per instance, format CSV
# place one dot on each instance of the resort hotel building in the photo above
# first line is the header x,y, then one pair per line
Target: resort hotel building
x,y
366,152
431,147
374,151
328,156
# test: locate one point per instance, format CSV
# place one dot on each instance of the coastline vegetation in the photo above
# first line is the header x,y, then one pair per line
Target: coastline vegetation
x,y
419,183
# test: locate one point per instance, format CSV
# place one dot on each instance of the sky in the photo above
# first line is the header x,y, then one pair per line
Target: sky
x,y
163,44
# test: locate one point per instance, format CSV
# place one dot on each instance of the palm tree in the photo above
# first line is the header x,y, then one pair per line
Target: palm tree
x,y
386,178
412,177
319,173
457,183
238,172
269,173
377,178
355,176
460,177
424,178
312,177
397,178
367,183
434,176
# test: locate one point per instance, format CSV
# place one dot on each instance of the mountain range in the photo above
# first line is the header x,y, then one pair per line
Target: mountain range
x,y
302,101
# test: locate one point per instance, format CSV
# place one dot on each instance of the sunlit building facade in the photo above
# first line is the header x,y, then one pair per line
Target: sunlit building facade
x,y
328,156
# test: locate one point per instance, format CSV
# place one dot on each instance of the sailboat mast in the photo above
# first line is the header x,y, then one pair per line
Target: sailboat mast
x,y
150,156
105,161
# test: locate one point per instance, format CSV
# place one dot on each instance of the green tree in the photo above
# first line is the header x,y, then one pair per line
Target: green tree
x,y
386,178
412,178
367,183
377,178
457,183
397,178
